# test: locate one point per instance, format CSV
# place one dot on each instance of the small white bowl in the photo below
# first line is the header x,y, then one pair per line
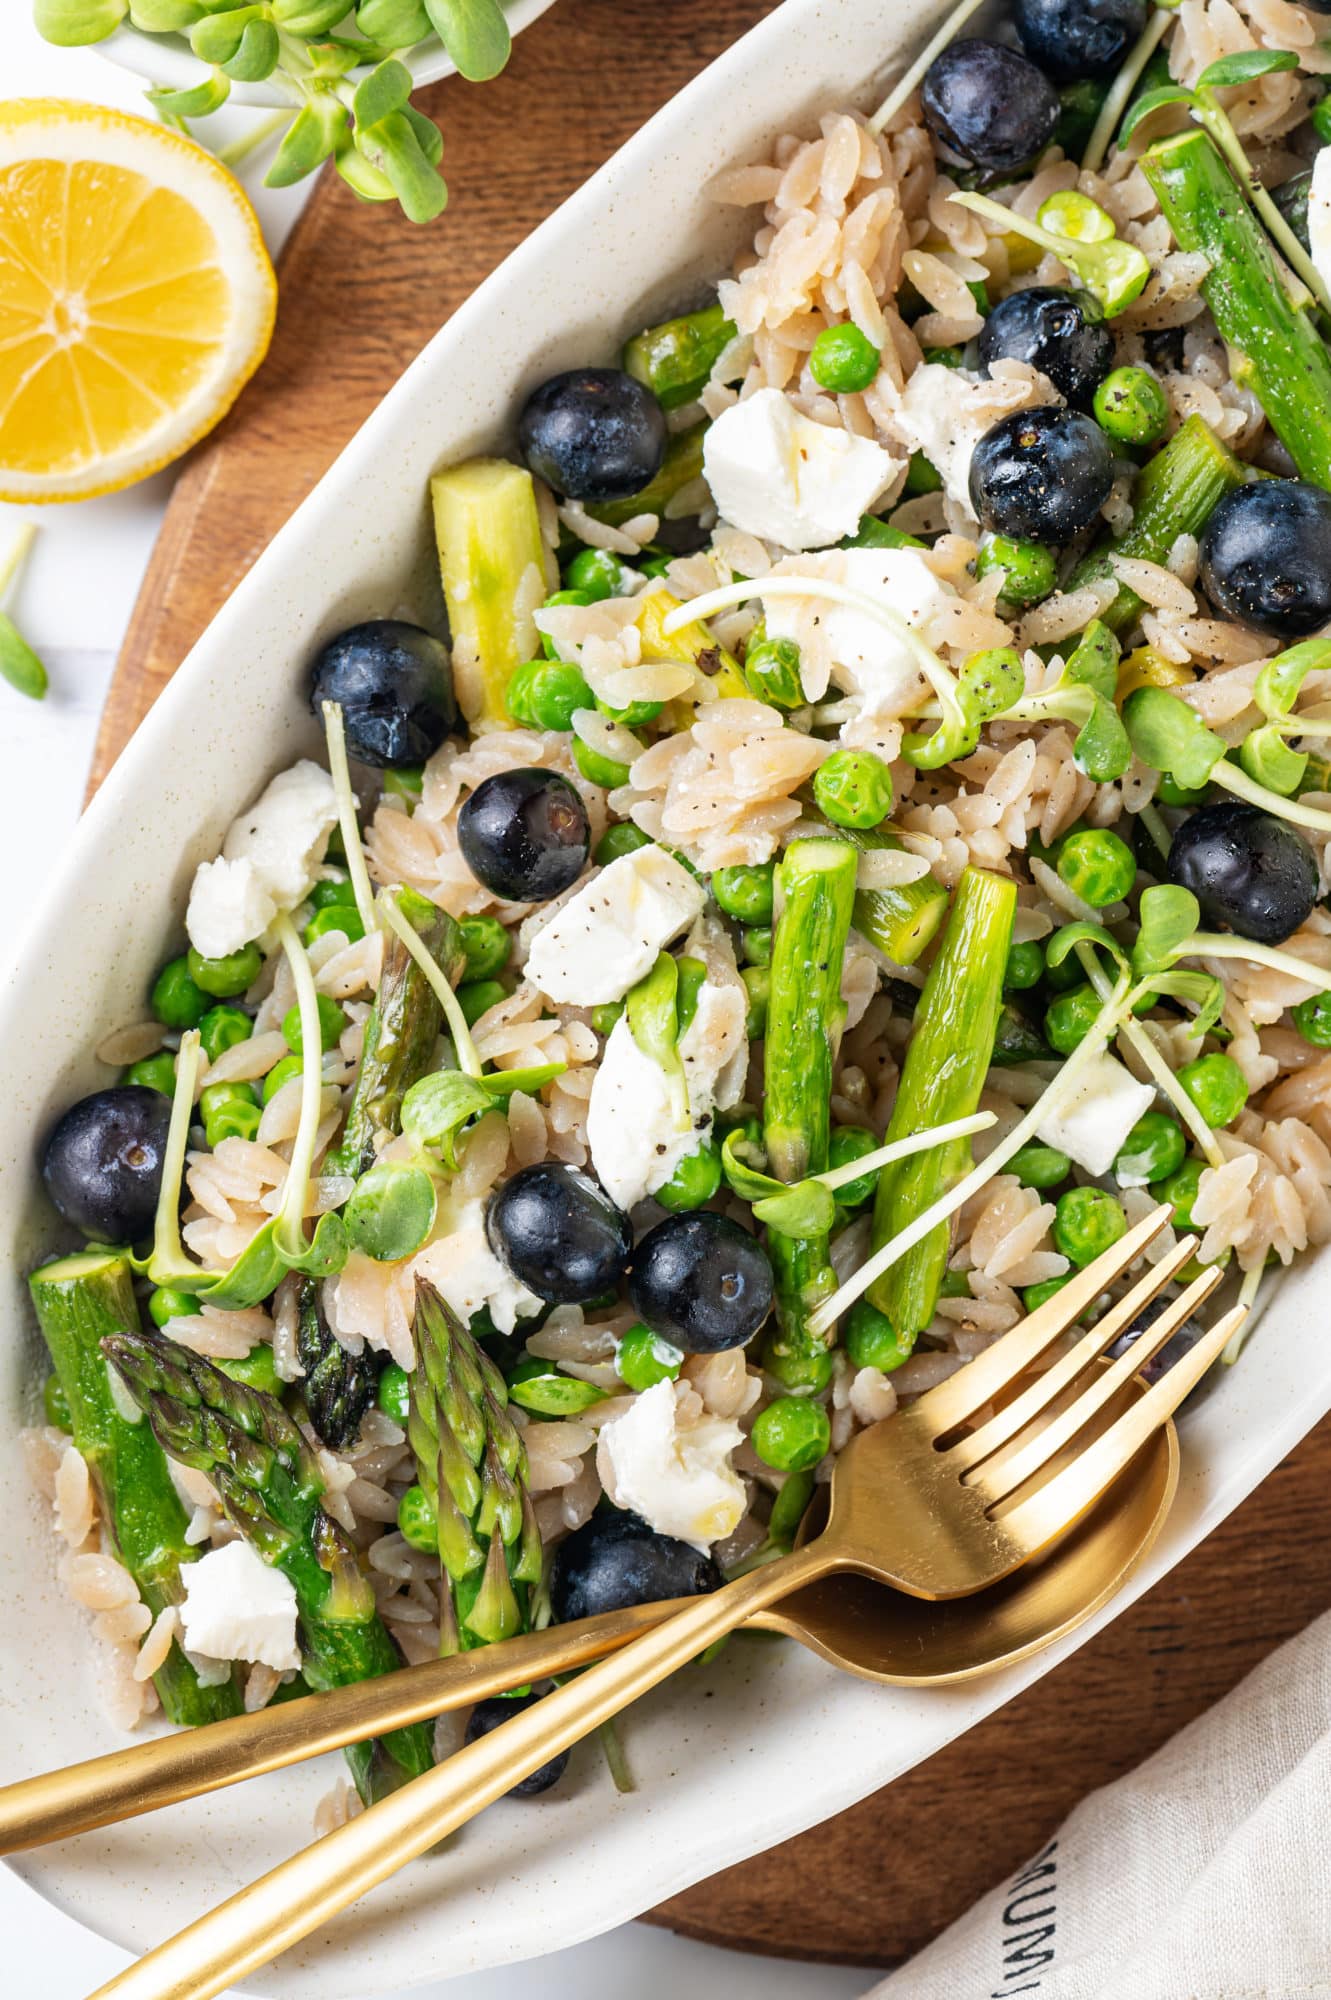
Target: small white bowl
x,y
169,59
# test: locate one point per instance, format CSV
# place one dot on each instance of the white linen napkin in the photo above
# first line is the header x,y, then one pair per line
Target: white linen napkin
x,y
1203,1875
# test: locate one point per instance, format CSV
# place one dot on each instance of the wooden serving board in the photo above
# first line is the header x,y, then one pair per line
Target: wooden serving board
x,y
361,293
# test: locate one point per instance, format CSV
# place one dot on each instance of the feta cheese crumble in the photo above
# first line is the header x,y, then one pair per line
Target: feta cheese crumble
x,y
680,1481
1093,1120
237,1607
944,412
466,1272
606,938
867,658
776,474
269,861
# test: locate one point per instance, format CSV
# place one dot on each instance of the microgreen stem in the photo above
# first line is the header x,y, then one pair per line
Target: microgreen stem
x,y
907,82
1116,103
168,1254
239,149
468,1061
347,817
1216,944
1236,780
1248,1291
12,562
901,1149
1155,826
291,1215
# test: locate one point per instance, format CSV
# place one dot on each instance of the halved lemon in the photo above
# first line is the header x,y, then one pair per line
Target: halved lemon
x,y
136,297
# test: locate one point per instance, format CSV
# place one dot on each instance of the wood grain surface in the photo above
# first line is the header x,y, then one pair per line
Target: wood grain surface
x,y
361,293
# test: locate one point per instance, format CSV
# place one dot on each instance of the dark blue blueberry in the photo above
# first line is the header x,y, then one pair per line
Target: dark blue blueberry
x,y
103,1162
1174,1349
1266,557
395,686
593,434
524,834
1291,198
492,1714
559,1233
1041,475
615,1561
989,103
1060,332
1250,872
701,1281
1072,39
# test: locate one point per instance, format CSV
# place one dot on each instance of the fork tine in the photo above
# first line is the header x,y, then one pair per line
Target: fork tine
x,y
1010,1469
976,1384
1014,1416
1036,1521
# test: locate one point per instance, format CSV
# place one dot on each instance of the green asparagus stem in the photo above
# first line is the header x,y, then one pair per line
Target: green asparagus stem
x,y
338,1387
681,465
270,1485
675,359
496,572
1274,348
902,922
473,1470
79,1300
1175,495
400,1033
815,884
949,1054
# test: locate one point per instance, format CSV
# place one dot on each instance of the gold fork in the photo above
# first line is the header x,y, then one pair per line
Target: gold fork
x,y
919,1502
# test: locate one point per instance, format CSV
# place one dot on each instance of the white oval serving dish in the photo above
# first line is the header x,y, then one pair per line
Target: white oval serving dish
x,y
781,1741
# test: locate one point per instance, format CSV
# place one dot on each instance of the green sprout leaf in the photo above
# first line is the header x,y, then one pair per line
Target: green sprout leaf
x,y
19,665
73,24
316,131
384,91
393,24
475,34
1268,759
742,1176
1149,102
1203,988
1113,272
1069,936
165,17
1171,737
806,1209
217,37
1280,682
652,1012
1094,661
435,1109
256,56
196,102
393,149
391,1211
1245,67
307,18
1168,916
550,1394
1084,696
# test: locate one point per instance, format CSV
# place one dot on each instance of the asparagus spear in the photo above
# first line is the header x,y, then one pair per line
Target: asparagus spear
x,y
496,571
1176,493
815,884
79,1300
473,1470
902,921
338,1387
400,1033
270,1485
675,359
1274,348
942,1077
681,465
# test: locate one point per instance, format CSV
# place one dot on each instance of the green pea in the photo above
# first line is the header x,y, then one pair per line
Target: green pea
x,y
548,646
336,849
557,692
1180,1189
1038,1166
643,1358
478,996
1321,120
756,944
218,1095
843,359
487,946
1025,966
225,977
154,1072
656,565
229,1112
598,769
405,782
332,1021
922,476
1087,1222
598,573
1030,569
695,1180
945,357
617,841
1217,1086
1168,792
848,1143
279,1074
758,979
176,1000
789,1508
792,1434
1068,1019
1153,1149
394,1393
1097,866
1312,1018
1034,1296
257,1370
955,1285
1131,407
1065,975
873,1342
55,1404
605,1016
332,891
166,1303
635,715
746,894
853,788
417,1522
223,1028
344,917
772,672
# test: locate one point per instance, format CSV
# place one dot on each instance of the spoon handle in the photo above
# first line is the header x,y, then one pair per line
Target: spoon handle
x,y
190,1761
304,1893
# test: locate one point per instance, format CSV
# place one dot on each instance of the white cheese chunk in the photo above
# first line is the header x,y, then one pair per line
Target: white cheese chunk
x,y
776,474
680,1481
606,938
237,1607
944,412
269,861
466,1272
868,659
635,1143
1091,1122
1319,214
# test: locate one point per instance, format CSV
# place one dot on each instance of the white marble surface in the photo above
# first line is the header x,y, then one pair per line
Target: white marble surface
x,y
73,606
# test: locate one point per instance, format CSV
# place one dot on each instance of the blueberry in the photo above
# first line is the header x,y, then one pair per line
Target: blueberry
x,y
1042,475
488,1715
1291,198
524,834
395,685
990,104
559,1233
103,1162
1250,872
615,1560
593,434
1058,331
1174,1349
701,1281
1073,39
1266,557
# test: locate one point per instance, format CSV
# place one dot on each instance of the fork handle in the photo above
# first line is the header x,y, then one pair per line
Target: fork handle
x,y
307,1891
